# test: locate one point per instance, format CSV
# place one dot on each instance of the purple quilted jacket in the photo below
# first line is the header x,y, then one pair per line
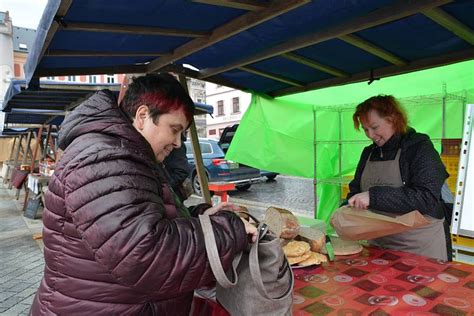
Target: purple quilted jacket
x,y
114,244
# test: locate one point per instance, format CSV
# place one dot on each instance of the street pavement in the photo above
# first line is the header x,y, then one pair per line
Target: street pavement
x,y
292,193
21,257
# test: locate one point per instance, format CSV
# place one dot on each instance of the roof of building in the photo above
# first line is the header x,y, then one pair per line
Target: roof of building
x,y
23,39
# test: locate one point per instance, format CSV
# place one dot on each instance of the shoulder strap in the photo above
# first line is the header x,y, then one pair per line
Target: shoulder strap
x,y
213,255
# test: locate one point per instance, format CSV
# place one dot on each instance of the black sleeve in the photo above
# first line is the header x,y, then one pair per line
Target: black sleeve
x,y
422,186
199,209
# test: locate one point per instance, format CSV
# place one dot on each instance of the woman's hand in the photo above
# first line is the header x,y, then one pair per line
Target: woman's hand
x,y
360,200
250,229
222,206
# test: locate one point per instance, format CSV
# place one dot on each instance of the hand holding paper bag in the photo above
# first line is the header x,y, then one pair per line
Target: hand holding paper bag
x,y
358,224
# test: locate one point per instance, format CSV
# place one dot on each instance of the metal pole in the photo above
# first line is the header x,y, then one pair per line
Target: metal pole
x,y
340,143
315,179
443,115
197,153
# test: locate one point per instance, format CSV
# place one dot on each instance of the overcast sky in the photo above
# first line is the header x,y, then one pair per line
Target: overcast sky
x,y
24,13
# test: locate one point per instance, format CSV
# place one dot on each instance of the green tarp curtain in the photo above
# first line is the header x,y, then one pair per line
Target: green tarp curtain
x,y
278,134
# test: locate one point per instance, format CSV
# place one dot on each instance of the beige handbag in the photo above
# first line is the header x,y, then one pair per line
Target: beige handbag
x,y
262,280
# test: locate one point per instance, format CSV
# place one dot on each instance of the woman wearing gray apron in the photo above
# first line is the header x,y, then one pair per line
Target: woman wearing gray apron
x,y
400,172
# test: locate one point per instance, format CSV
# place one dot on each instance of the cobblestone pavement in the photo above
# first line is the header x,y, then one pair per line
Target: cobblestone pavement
x,y
21,258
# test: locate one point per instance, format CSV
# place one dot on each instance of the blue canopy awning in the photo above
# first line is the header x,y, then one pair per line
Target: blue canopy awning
x,y
272,47
49,103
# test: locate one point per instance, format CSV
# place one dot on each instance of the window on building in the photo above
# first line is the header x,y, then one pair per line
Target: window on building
x,y
212,132
110,79
92,79
220,107
236,105
71,78
17,70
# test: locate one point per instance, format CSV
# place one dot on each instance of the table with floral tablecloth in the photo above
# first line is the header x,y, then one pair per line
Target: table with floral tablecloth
x,y
381,282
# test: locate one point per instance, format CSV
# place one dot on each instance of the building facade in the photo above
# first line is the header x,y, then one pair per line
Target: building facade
x,y
229,106
6,59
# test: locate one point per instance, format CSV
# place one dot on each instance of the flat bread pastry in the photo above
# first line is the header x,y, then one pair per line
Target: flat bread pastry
x,y
314,258
303,257
296,248
343,247
314,237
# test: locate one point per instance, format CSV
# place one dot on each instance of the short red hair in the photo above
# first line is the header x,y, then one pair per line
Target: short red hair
x,y
386,106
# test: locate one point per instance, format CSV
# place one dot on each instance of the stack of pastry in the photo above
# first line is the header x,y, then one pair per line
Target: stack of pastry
x,y
299,252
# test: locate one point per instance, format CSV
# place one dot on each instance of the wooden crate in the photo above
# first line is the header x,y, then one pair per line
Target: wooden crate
x,y
452,164
345,186
451,146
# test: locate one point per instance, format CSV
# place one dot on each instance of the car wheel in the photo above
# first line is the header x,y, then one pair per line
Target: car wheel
x,y
197,185
272,177
243,187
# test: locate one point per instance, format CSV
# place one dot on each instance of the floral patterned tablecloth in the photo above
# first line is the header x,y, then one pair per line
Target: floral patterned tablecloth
x,y
383,282
379,282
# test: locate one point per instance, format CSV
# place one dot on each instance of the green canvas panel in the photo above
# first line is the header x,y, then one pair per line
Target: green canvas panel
x,y
278,134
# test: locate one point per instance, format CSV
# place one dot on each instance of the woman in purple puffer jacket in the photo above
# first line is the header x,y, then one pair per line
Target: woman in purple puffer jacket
x,y
115,241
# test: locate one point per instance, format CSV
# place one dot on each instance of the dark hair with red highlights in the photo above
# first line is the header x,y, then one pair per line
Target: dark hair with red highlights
x,y
386,106
162,93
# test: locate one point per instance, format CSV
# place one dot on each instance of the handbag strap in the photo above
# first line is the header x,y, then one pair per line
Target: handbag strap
x,y
254,267
213,255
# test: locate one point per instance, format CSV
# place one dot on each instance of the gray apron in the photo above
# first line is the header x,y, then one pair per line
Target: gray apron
x,y
428,240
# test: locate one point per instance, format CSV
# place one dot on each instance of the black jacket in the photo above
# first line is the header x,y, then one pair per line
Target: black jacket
x,y
422,171
177,168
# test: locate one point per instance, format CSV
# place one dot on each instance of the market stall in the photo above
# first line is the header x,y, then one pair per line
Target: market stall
x,y
274,48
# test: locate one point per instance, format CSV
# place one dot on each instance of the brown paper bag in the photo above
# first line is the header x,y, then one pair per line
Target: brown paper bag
x,y
357,224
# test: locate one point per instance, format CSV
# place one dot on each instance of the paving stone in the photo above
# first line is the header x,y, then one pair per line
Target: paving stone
x,y
11,301
19,286
21,259
6,295
29,300
11,223
28,291
17,309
